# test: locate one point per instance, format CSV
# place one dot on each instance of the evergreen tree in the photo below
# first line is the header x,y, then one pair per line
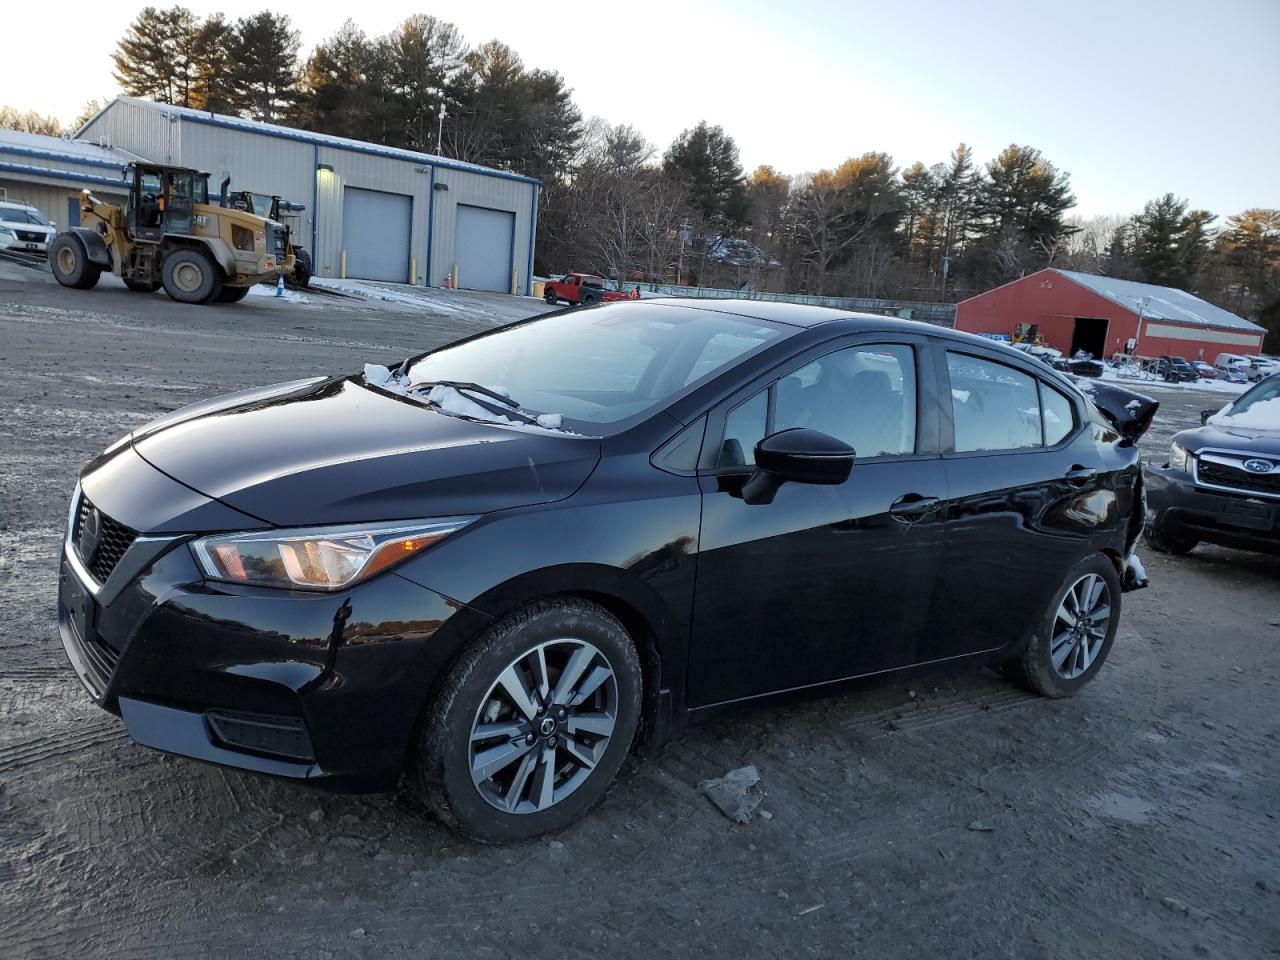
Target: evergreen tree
x,y
424,60
705,161
211,65
263,52
1021,205
154,59
344,88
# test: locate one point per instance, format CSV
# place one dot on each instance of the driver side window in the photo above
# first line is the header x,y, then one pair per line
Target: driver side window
x,y
864,396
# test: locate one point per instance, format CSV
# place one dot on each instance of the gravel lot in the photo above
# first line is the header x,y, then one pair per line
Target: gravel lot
x,y
952,815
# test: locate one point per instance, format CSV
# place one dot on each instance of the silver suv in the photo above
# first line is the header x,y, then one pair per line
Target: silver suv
x,y
24,228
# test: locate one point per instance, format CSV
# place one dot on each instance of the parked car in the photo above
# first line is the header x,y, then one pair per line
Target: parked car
x,y
1205,370
493,565
582,288
1232,367
1262,367
24,228
1175,370
1221,483
1082,367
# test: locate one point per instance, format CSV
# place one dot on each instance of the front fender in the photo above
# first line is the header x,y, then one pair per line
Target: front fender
x,y
94,247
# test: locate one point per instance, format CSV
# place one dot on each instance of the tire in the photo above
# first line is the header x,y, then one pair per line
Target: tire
x,y
142,286
507,803
190,276
1055,642
301,267
1163,540
551,298
70,263
232,294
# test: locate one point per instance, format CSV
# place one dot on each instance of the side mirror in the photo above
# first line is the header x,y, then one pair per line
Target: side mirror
x,y
798,455
1205,415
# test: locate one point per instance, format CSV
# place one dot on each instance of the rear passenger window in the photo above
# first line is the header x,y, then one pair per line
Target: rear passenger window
x,y
1059,415
995,407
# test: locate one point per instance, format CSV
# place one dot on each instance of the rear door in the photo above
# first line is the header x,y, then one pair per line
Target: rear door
x,y
1028,497
825,582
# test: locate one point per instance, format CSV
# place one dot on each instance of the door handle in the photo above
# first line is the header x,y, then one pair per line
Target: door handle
x,y
1078,476
912,508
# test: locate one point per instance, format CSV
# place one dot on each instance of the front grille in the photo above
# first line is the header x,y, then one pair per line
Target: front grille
x,y
268,733
30,236
1220,475
99,540
277,240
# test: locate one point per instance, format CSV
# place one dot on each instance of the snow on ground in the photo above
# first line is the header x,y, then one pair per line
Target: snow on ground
x,y
1138,382
290,296
386,292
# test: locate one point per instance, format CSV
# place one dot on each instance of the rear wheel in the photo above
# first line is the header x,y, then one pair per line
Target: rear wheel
x,y
232,294
1069,647
301,267
190,276
532,724
1161,539
71,264
142,286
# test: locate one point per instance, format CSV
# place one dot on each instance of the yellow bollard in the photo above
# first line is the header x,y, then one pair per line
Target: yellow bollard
x,y
515,282
413,270
455,276
342,271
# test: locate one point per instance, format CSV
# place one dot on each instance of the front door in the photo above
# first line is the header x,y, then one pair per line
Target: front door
x,y
824,582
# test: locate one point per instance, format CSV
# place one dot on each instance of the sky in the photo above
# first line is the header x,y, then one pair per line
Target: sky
x,y
1133,98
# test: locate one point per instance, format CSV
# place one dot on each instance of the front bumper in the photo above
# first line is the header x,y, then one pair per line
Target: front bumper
x,y
1177,506
326,688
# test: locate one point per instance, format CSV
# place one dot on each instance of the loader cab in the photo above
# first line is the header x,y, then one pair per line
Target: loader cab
x,y
162,201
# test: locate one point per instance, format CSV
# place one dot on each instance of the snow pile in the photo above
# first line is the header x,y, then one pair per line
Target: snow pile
x,y
262,290
1263,414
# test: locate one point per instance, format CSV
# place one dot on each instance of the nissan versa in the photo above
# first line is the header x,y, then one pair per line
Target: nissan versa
x,y
496,566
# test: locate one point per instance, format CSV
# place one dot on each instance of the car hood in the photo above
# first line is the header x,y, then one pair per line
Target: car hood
x,y
1260,440
337,451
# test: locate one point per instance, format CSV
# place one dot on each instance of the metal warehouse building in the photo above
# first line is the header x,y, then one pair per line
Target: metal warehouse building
x,y
1105,316
367,211
48,173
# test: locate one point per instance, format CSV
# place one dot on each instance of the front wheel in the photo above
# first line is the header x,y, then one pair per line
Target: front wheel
x,y
551,298
71,264
1163,540
190,276
1069,647
531,725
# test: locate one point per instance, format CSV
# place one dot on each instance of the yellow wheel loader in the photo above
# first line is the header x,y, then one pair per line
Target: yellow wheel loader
x,y
171,236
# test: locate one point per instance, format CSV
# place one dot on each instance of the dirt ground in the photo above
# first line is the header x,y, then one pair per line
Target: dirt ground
x,y
944,816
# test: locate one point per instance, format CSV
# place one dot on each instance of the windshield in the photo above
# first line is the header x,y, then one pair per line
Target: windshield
x,y
600,367
1259,407
21,215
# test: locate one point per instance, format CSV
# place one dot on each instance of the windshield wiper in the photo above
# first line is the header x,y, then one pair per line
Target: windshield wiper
x,y
471,388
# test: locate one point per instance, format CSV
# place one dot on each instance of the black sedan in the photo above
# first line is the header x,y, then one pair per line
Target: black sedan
x,y
1221,483
1176,370
496,566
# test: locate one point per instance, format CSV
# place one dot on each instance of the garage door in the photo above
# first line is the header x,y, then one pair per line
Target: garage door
x,y
375,234
483,247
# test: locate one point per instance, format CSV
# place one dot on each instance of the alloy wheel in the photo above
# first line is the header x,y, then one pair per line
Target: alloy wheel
x,y
1080,626
543,726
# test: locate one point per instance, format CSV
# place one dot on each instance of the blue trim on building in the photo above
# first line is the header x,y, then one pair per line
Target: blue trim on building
x,y
390,153
315,199
64,157
31,171
533,235
431,221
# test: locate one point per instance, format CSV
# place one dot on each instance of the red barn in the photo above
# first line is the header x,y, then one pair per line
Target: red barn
x,y
1081,311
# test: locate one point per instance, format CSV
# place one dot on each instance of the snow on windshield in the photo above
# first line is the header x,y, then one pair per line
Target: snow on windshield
x,y
1264,414
452,401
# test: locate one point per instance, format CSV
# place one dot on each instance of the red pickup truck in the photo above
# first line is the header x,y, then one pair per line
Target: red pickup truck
x,y
583,288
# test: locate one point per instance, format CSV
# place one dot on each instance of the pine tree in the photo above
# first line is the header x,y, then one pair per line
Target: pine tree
x,y
344,89
424,59
211,65
705,161
154,57
263,51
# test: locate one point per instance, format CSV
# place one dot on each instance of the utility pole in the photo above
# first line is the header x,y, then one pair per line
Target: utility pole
x,y
444,111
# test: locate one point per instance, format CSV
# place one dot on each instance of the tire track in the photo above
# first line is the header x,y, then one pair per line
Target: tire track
x,y
15,756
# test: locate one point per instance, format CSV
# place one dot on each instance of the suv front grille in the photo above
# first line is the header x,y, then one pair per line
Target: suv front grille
x,y
1221,475
99,540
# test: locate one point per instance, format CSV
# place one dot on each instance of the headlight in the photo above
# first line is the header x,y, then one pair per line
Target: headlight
x,y
1178,459
317,558
7,232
